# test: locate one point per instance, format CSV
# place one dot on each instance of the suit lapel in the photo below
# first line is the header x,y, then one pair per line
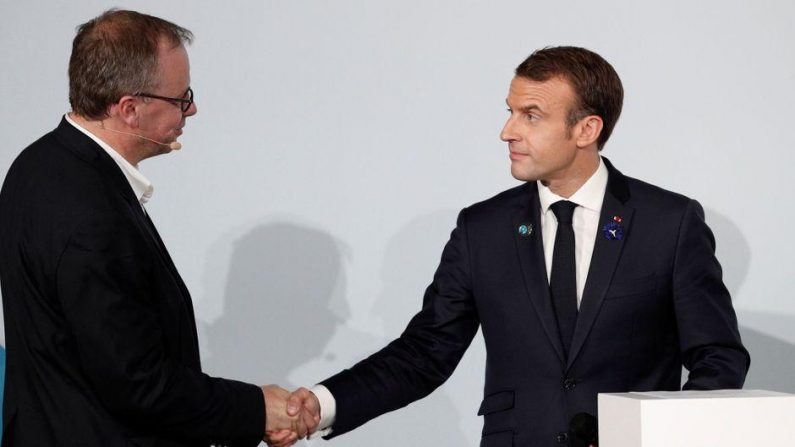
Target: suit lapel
x,y
604,260
530,250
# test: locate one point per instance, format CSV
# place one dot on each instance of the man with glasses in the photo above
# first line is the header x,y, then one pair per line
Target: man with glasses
x,y
101,337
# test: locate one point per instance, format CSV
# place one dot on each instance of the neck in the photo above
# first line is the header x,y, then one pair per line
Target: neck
x,y
118,142
575,176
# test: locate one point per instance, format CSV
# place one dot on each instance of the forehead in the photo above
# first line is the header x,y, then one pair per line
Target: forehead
x,y
550,94
173,66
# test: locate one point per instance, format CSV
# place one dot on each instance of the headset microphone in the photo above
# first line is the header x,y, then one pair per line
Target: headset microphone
x,y
174,145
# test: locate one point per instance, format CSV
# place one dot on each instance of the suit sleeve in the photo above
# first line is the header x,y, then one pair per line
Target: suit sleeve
x,y
709,338
104,283
424,355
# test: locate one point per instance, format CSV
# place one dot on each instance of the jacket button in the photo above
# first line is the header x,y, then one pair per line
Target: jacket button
x,y
562,438
569,384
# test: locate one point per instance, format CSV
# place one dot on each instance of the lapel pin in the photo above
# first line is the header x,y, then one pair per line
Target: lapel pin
x,y
613,230
525,229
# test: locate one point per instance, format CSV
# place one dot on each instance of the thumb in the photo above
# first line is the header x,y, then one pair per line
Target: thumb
x,y
293,404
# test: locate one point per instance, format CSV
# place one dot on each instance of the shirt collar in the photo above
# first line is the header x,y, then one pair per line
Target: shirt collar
x,y
141,186
590,195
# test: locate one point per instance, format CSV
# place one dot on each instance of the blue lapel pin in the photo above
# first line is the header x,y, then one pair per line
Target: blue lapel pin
x,y
525,229
613,229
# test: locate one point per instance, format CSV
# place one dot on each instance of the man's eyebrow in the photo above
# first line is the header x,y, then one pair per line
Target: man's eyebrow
x,y
527,108
531,107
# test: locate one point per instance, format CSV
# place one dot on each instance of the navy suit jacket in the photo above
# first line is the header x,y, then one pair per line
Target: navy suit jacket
x,y
653,301
101,339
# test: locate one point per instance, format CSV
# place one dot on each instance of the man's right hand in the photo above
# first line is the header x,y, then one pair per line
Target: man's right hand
x,y
304,404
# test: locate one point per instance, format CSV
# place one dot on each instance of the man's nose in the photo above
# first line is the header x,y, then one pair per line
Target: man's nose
x,y
508,132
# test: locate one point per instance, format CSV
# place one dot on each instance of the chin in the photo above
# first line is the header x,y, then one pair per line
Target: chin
x,y
160,151
522,174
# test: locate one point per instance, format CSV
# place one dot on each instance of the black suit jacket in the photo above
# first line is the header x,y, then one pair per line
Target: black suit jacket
x,y
101,339
653,301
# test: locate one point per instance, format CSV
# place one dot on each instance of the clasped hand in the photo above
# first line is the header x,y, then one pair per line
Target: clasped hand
x,y
289,416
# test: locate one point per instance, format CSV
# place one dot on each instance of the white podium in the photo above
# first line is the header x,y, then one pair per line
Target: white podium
x,y
723,418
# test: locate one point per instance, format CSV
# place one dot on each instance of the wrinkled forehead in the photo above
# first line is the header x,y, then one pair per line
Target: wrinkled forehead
x,y
173,67
550,94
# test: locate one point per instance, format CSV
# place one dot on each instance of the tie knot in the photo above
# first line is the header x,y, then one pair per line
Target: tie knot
x,y
563,210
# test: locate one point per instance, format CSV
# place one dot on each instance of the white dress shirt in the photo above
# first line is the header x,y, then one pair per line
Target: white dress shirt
x,y
140,185
585,222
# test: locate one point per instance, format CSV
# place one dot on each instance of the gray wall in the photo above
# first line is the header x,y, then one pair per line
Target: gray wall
x,y
336,141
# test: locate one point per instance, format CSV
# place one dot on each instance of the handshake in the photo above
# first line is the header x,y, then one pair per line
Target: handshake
x,y
289,416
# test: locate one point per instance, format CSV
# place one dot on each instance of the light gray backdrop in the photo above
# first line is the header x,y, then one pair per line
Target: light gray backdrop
x,y
336,141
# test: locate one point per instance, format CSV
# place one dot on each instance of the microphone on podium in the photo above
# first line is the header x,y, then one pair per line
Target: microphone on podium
x,y
584,430
174,145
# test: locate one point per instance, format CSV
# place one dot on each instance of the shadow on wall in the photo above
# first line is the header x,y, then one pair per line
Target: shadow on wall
x,y
284,322
281,280
410,259
772,357
733,252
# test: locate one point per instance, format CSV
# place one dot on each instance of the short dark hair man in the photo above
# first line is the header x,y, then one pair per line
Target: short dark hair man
x,y
583,280
101,337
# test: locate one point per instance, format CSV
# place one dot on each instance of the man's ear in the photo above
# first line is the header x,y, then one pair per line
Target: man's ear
x,y
127,110
589,129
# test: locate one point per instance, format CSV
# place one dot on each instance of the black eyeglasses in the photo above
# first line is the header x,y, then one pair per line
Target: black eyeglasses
x,y
183,103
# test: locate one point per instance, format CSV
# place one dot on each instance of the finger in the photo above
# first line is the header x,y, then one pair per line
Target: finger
x,y
312,407
310,421
291,440
282,438
278,436
299,427
274,439
296,400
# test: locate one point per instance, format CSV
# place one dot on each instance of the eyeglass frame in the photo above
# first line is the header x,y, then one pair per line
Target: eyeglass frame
x,y
184,104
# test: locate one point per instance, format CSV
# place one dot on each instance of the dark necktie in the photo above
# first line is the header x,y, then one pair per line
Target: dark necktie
x,y
563,279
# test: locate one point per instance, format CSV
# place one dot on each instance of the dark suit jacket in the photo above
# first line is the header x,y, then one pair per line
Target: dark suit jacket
x,y
100,334
653,301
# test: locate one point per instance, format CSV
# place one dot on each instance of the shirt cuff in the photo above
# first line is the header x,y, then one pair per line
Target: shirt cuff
x,y
328,411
